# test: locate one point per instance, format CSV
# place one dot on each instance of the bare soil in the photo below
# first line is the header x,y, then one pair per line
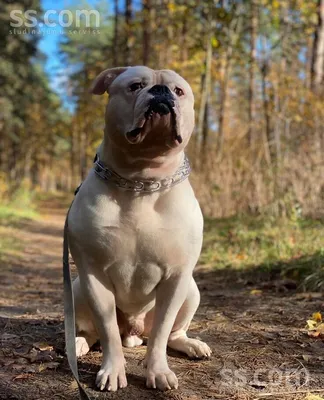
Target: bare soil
x,y
260,346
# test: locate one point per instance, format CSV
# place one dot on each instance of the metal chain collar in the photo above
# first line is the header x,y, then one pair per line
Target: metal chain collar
x,y
144,186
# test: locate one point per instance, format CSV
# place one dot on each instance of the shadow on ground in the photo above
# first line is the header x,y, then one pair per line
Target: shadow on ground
x,y
254,321
252,336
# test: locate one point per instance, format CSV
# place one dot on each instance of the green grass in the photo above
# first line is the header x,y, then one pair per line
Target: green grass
x,y
11,215
294,247
8,246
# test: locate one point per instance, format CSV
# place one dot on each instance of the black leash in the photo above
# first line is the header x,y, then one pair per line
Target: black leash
x,y
69,314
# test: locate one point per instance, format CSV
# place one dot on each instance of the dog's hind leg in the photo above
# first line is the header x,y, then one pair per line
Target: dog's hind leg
x,y
132,341
87,335
129,337
178,339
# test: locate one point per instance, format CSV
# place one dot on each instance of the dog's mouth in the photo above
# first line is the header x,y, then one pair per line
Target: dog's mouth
x,y
156,111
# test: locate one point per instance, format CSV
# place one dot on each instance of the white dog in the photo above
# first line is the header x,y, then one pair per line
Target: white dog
x,y
135,228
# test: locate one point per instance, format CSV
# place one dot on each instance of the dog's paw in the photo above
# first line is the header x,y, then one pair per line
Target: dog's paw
x,y
132,341
81,346
194,348
112,376
161,378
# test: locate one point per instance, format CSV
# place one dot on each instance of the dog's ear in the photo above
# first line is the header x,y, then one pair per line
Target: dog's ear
x,y
102,82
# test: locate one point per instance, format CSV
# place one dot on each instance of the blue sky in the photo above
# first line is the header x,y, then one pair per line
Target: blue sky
x,y
49,44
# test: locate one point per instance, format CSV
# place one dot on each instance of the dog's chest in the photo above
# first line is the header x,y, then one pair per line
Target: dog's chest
x,y
146,239
142,246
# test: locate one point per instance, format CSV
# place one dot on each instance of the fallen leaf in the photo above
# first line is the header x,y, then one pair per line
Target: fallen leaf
x,y
22,351
30,369
73,385
317,317
49,365
315,326
241,256
43,346
307,357
311,324
32,355
313,397
22,376
313,333
256,292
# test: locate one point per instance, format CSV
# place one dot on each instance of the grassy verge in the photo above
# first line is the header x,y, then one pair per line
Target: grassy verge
x,y
11,217
292,247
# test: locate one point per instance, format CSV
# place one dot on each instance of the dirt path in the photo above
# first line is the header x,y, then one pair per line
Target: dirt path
x,y
260,349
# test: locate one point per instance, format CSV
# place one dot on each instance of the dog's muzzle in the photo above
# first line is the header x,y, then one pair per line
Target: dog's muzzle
x,y
163,100
162,103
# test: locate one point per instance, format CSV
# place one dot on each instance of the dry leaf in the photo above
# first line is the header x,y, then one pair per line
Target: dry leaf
x,y
22,376
32,355
256,292
311,324
313,333
73,385
317,317
49,365
43,346
241,256
315,326
313,397
307,357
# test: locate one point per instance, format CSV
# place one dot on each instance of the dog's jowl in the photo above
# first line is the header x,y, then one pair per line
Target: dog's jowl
x,y
135,228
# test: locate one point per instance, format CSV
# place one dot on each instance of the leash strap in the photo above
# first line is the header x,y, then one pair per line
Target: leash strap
x,y
69,314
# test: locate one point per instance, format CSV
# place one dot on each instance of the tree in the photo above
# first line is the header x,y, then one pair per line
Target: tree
x,y
317,66
147,18
128,32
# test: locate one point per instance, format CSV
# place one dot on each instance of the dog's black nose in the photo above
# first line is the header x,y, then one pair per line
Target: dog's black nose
x,y
159,107
160,90
163,99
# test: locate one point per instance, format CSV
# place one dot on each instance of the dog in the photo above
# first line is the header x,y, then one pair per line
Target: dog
x,y
135,228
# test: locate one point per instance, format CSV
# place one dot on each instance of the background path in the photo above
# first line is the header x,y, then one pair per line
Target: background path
x,y
260,347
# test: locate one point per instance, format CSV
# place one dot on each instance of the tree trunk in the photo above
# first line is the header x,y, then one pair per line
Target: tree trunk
x,y
128,32
222,102
206,84
74,157
251,109
115,43
4,153
205,133
267,136
147,18
184,34
317,67
83,154
233,36
169,32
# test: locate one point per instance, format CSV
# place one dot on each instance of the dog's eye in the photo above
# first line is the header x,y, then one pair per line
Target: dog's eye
x,y
135,86
179,92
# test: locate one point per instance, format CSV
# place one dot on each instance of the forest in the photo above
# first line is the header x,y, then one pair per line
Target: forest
x,y
256,68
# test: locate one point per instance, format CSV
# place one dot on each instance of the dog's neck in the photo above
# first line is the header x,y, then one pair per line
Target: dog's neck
x,y
130,165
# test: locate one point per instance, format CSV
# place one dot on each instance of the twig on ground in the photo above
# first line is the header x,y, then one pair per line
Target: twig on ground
x,y
289,392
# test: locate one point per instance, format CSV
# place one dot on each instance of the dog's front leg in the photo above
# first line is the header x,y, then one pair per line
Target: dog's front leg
x,y
102,303
170,295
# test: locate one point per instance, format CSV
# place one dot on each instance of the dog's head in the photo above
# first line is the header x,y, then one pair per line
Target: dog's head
x,y
147,107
